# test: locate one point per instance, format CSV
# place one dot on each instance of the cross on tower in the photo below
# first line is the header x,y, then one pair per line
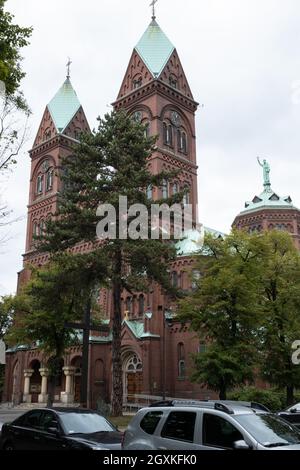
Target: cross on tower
x,y
69,66
152,4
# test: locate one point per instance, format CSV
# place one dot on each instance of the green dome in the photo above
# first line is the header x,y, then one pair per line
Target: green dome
x,y
268,199
192,241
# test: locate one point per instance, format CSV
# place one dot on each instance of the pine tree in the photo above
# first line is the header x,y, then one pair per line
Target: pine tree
x,y
107,164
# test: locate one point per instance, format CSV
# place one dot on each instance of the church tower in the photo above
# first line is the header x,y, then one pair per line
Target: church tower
x,y
62,122
270,211
156,92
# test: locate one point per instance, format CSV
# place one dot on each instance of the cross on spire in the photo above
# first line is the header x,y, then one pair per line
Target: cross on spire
x,y
68,67
152,4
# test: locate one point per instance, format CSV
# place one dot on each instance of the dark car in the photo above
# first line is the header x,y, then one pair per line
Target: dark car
x,y
60,429
291,414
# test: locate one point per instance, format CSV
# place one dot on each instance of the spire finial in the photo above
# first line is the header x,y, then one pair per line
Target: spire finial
x,y
68,67
152,4
266,169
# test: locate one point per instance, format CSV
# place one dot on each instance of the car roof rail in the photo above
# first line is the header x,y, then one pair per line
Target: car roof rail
x,y
249,404
259,406
212,404
162,403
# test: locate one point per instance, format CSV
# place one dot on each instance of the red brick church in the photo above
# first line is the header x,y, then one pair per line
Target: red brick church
x,y
156,351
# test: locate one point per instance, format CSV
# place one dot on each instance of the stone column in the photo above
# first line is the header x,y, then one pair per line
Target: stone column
x,y
26,395
43,396
68,395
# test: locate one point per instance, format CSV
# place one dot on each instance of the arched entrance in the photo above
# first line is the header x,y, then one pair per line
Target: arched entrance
x,y
77,364
133,377
35,381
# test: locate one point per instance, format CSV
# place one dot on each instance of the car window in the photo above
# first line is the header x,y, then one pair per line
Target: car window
x,y
32,419
269,430
180,425
48,420
150,421
85,423
218,432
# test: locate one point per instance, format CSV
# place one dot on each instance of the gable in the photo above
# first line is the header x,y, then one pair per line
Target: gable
x,y
47,129
136,70
78,124
173,71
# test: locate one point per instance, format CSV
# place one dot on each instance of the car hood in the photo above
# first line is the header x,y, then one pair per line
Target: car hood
x,y
290,447
105,439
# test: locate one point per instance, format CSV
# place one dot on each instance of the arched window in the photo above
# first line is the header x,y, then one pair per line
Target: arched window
x,y
179,139
165,189
149,192
173,81
147,130
167,134
196,276
170,135
175,188
174,279
77,133
137,83
181,360
39,184
49,179
47,134
42,227
129,304
141,304
134,364
35,229
183,142
186,199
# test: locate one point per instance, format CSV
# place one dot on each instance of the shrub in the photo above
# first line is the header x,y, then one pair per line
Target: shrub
x,y
272,399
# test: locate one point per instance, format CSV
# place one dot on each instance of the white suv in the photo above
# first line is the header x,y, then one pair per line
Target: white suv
x,y
209,425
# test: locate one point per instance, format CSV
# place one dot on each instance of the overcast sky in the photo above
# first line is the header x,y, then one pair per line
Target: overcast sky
x,y
242,60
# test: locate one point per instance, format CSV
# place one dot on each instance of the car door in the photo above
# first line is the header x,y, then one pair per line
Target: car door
x,y
50,440
218,433
178,432
24,432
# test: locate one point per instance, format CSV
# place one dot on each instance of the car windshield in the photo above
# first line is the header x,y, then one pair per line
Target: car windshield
x,y
294,407
85,423
269,430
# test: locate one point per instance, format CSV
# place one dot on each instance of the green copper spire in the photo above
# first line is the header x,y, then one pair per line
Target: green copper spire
x,y
155,48
64,106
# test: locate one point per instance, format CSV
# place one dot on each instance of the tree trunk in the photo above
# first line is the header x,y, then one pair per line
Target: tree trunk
x,y
51,390
117,379
222,392
289,395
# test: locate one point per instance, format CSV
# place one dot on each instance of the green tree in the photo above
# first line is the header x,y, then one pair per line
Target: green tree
x,y
223,310
13,38
280,307
5,315
113,162
55,295
14,111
